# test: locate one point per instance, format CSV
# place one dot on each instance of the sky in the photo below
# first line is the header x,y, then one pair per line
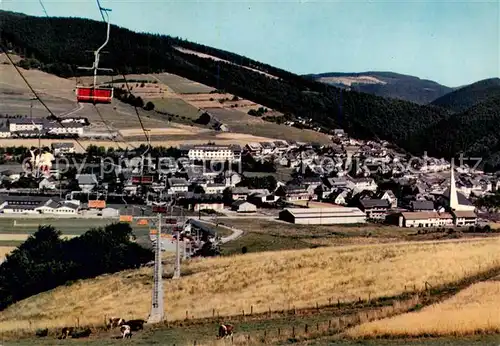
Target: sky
x,y
451,42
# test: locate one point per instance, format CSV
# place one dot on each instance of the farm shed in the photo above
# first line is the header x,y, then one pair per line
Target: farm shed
x,y
243,207
323,216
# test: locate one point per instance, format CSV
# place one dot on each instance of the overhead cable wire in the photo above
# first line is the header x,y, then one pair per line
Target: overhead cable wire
x,y
36,95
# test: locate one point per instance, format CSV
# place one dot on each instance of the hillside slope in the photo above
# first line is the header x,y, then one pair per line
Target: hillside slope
x,y
475,132
387,84
59,51
470,95
265,281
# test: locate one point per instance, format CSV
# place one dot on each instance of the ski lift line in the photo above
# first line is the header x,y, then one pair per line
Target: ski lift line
x,y
36,95
106,20
138,116
43,8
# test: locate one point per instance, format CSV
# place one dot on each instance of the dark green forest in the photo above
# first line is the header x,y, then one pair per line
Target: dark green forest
x,y
60,44
45,260
474,132
464,98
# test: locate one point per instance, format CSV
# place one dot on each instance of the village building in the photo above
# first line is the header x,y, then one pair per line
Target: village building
x,y
422,205
243,207
375,209
177,185
323,216
293,193
213,152
425,219
63,148
389,196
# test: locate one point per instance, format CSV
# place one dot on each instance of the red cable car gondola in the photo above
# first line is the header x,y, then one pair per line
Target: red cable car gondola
x,y
95,94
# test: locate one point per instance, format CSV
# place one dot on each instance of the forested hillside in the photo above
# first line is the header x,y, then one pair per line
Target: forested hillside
x,y
58,45
475,132
387,84
468,96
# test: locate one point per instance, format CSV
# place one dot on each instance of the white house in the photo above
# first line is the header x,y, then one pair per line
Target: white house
x,y
213,152
177,185
25,124
389,195
425,219
243,207
4,133
47,183
66,129
86,182
214,188
63,148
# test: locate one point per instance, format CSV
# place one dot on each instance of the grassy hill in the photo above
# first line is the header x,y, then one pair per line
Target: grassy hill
x,y
470,95
259,282
47,44
386,84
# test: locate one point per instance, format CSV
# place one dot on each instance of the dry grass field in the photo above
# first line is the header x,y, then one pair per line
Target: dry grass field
x,y
473,310
273,280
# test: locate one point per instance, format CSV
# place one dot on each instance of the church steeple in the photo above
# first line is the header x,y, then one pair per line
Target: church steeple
x,y
454,205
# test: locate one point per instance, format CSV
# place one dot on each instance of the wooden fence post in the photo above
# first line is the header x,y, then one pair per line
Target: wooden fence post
x,y
338,302
265,334
317,306
329,301
213,312
329,324
293,331
279,331
306,328
243,312
251,309
187,314
317,326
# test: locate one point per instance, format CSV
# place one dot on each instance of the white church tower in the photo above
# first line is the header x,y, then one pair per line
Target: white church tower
x,y
454,205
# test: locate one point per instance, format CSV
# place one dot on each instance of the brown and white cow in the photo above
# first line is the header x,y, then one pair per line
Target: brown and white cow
x,y
115,322
225,330
125,330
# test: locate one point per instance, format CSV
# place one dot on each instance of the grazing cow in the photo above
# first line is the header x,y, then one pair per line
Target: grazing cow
x,y
42,332
115,322
225,330
83,334
66,331
135,325
125,330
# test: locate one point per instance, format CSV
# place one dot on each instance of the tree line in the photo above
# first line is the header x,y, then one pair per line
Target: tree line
x,y
45,260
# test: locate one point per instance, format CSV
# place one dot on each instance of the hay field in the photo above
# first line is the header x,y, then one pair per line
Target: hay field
x,y
181,85
473,310
273,280
42,82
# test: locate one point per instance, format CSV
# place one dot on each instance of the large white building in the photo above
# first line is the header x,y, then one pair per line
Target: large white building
x,y
213,152
25,124
323,216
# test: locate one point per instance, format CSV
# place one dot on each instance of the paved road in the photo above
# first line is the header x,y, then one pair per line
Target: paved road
x,y
236,232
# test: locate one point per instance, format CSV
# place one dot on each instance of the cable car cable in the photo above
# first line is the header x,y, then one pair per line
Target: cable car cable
x,y
36,95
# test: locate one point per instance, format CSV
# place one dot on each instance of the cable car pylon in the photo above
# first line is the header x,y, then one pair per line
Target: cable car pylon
x,y
94,94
